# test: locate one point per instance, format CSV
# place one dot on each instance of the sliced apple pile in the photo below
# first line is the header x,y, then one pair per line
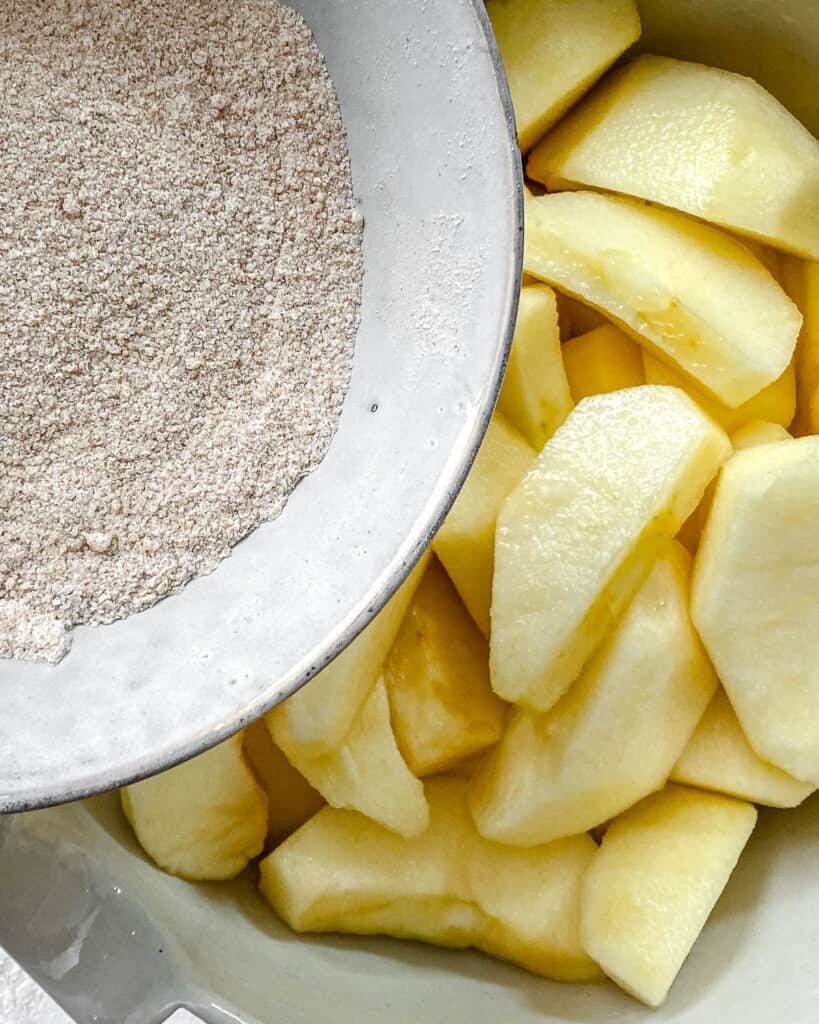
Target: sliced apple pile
x,y
548,744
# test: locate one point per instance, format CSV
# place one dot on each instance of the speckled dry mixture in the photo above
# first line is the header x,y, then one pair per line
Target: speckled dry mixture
x,y
180,267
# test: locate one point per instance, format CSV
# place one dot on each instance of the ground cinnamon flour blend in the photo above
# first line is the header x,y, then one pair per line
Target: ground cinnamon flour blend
x,y
180,267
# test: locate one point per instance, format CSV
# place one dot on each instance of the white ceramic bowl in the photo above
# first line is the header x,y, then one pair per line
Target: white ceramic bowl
x,y
117,942
437,177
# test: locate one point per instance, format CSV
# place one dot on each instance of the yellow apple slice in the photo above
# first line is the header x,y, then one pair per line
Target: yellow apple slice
x,y
696,297
317,717
615,736
604,359
702,140
801,281
535,395
655,880
580,533
755,599
367,772
465,543
776,403
554,50
718,757
754,433
442,707
290,797
343,873
204,819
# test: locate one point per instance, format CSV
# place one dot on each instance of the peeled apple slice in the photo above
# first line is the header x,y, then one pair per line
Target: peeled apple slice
x,y
554,50
603,359
578,536
366,772
749,436
535,395
317,717
755,599
719,757
290,797
203,820
655,880
709,142
776,403
449,887
697,298
615,736
442,707
465,543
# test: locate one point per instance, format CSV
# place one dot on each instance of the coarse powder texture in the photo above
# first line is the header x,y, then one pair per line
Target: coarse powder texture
x,y
180,271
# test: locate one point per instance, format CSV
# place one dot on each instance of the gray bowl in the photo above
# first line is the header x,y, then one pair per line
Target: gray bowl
x,y
437,176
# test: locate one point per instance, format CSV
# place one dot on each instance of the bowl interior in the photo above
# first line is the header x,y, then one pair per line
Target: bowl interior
x,y
437,177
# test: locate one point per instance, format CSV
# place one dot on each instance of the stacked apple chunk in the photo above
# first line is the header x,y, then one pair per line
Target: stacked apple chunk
x,y
550,743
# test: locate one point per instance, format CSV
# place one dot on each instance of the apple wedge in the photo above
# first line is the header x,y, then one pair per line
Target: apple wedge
x,y
718,757
702,140
776,403
442,707
535,395
579,534
465,543
291,799
655,880
749,436
366,772
203,820
697,298
554,50
317,717
343,873
755,599
604,359
615,736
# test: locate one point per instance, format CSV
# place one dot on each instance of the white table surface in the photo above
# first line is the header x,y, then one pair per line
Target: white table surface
x,y
23,1002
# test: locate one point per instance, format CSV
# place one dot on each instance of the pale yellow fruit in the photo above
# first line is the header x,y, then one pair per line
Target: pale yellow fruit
x,y
719,757
754,433
442,707
755,599
554,50
705,141
603,359
204,819
776,403
290,797
366,772
615,736
535,395
696,297
801,281
575,317
465,543
449,887
580,533
317,717
758,432
654,881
